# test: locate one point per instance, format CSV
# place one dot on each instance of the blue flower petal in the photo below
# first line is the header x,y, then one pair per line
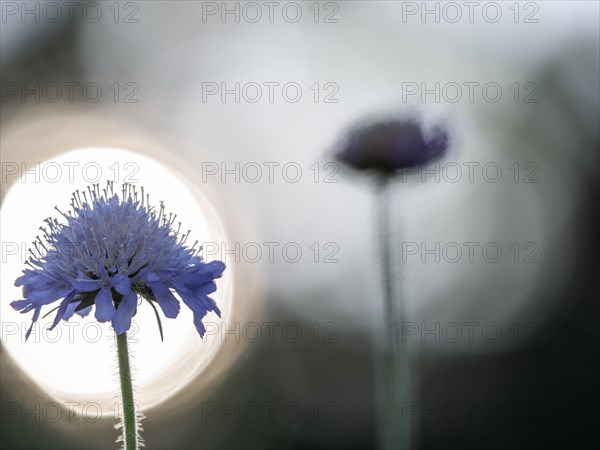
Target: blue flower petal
x,y
105,310
198,305
167,301
198,323
121,283
200,274
71,307
63,308
206,288
217,268
122,320
209,304
85,311
36,316
48,296
85,285
20,304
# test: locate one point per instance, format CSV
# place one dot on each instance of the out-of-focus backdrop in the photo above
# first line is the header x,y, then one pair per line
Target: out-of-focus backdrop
x,y
243,104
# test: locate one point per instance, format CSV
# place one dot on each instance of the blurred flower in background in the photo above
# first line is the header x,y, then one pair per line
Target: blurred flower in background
x,y
388,146
385,148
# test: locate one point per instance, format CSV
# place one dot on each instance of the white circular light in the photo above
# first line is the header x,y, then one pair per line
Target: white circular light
x,y
76,362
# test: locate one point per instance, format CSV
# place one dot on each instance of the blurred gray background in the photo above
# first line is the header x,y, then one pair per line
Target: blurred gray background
x,y
536,387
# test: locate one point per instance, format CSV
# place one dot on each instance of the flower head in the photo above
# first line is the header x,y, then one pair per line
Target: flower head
x,y
388,146
110,250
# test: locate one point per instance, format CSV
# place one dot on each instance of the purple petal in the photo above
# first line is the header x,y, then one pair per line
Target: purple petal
x,y
152,277
121,283
85,311
62,308
36,316
20,304
205,289
85,285
210,304
197,306
105,309
198,323
216,268
71,307
390,145
122,320
19,281
200,274
167,301
48,296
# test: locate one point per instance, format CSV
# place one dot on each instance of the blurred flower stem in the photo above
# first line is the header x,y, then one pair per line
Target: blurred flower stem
x,y
129,415
395,430
387,147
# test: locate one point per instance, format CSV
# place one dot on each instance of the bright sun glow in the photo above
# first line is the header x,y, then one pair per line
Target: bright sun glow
x,y
76,362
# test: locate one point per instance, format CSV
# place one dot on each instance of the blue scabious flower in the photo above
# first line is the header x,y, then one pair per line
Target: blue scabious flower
x,y
112,250
388,146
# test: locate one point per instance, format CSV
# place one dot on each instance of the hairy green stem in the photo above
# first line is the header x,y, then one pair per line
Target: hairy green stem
x,y
129,417
395,373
